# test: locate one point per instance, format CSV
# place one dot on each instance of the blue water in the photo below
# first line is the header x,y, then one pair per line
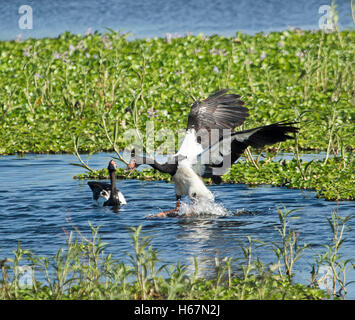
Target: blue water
x,y
40,202
158,17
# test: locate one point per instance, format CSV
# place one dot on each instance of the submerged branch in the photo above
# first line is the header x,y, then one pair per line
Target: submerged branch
x,y
83,164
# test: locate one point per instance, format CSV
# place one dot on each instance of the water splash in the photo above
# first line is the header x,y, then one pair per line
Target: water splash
x,y
211,209
203,208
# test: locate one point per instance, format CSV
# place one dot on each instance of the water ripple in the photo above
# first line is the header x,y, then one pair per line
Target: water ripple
x,y
40,209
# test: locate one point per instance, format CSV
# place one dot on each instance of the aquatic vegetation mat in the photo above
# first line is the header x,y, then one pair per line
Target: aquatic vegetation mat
x,y
54,90
332,180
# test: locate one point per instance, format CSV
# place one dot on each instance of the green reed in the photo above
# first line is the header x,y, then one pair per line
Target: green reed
x,y
83,270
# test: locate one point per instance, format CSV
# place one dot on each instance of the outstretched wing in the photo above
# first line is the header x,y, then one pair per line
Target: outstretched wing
x,y
218,111
216,160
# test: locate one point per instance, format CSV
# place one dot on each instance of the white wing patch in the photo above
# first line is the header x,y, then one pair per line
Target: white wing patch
x,y
190,147
121,198
103,197
216,152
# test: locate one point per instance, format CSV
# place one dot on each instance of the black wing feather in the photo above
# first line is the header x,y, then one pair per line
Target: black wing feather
x,y
218,111
97,187
215,161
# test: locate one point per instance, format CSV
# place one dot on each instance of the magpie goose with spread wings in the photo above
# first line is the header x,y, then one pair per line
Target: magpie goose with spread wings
x,y
210,146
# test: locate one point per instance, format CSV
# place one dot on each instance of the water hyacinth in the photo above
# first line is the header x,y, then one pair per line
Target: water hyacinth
x,y
152,113
299,32
88,31
247,62
182,71
18,38
187,66
61,56
107,42
81,45
215,69
57,55
215,52
71,49
300,54
26,51
170,36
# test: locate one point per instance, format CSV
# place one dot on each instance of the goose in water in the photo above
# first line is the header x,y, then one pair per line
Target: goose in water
x,y
210,146
106,194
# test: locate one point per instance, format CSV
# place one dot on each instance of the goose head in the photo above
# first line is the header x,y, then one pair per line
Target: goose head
x,y
112,166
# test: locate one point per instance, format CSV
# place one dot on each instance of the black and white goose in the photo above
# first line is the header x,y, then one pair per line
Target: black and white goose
x,y
210,146
106,194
